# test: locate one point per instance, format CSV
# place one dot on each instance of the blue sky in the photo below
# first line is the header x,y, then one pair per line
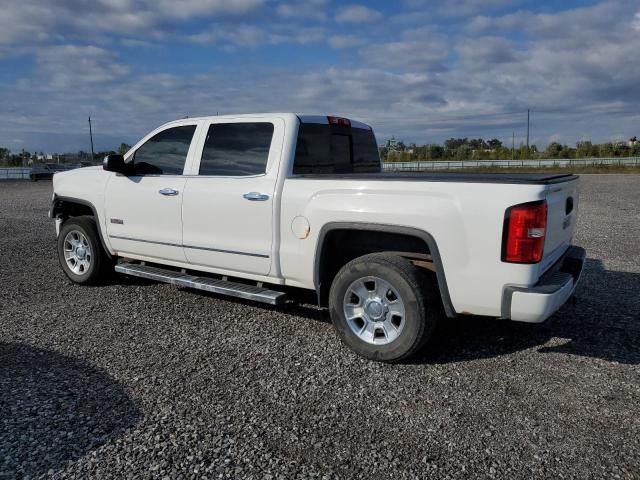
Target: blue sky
x,y
422,70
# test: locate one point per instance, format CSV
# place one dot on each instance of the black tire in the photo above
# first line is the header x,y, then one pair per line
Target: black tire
x,y
418,292
99,264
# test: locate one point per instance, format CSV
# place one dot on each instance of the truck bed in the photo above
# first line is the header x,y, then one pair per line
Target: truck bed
x,y
515,178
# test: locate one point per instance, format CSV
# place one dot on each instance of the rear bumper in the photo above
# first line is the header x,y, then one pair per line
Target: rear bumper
x,y
536,304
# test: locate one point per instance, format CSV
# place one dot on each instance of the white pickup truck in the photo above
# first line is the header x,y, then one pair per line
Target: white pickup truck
x,y
252,205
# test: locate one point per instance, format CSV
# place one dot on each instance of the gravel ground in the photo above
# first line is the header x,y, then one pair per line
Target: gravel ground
x,y
136,379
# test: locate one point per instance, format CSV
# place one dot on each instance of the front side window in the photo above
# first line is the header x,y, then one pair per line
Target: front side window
x,y
236,149
165,153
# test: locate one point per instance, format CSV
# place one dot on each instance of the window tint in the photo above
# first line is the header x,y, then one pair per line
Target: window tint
x,y
323,148
164,153
236,149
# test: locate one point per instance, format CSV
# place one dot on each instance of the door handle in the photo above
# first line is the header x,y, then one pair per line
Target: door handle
x,y
169,192
256,196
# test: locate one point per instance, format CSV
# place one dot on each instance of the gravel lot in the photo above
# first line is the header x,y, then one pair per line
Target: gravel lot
x,y
137,379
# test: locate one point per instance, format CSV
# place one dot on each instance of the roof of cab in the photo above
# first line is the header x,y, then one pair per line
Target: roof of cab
x,y
304,118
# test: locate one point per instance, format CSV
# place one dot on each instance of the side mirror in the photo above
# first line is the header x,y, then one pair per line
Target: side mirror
x,y
114,163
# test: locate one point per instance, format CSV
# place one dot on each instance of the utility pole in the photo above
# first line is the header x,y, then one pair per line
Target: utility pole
x,y
528,132
93,156
513,145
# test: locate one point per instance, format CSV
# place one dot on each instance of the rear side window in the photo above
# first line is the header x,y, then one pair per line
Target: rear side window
x,y
324,148
165,153
236,149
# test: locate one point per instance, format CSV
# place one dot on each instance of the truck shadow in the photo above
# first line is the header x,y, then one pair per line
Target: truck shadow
x,y
55,409
604,324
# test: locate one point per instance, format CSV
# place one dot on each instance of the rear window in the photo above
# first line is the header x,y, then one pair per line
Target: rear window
x,y
324,148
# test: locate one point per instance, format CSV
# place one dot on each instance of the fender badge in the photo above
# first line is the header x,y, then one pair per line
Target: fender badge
x,y
117,221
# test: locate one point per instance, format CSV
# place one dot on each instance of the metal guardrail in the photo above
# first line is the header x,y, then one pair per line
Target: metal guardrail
x,y
15,173
534,163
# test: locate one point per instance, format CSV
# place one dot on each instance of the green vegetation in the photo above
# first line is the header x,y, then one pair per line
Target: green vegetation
x,y
397,151
479,149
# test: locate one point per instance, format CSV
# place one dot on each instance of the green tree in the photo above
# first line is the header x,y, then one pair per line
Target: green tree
x,y
463,152
434,151
584,148
4,155
605,149
494,144
621,150
553,150
393,156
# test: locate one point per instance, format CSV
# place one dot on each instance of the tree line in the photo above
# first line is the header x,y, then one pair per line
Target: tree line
x,y
494,149
397,151
25,158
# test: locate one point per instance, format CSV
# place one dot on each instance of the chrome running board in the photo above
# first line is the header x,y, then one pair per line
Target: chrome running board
x,y
222,287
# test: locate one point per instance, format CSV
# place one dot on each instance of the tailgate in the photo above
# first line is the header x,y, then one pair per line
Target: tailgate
x,y
562,211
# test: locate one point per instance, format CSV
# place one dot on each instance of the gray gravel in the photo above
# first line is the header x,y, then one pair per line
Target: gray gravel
x,y
136,379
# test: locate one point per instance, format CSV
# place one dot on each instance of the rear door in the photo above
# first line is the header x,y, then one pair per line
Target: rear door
x,y
228,205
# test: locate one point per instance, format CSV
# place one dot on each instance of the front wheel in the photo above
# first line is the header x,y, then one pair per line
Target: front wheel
x,y
80,252
383,307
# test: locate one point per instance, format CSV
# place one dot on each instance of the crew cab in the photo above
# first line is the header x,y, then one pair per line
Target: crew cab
x,y
257,206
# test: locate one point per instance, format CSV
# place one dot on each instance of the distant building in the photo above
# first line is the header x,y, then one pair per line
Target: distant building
x,y
392,145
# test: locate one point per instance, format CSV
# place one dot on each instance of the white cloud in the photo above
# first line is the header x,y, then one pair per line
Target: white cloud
x,y
311,9
346,41
192,8
478,53
455,8
357,14
71,66
33,22
577,69
251,36
416,50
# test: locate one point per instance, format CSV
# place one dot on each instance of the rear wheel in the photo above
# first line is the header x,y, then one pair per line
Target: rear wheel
x,y
383,307
80,252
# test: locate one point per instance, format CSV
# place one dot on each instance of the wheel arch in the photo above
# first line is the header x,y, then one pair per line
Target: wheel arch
x,y
323,248
65,207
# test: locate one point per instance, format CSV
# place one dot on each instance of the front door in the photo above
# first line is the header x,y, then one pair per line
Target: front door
x,y
228,203
144,210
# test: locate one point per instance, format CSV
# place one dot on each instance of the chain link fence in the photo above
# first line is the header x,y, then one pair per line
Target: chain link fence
x,y
534,163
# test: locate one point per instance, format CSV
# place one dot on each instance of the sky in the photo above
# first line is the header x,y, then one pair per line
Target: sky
x,y
420,70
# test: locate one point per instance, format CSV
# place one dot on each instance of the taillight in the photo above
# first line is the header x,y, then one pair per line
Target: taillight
x,y
339,121
525,227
